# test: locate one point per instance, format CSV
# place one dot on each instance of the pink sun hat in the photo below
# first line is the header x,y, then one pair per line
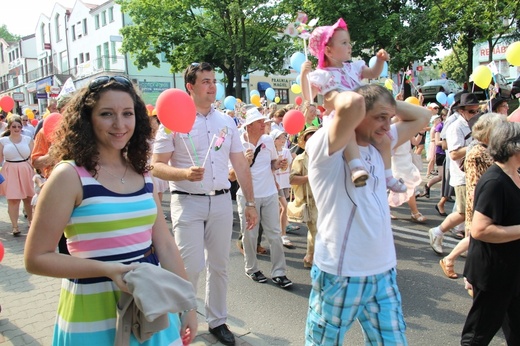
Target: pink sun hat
x,y
320,36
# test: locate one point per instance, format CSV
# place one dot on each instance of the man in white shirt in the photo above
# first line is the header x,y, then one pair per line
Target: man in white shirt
x,y
202,212
353,274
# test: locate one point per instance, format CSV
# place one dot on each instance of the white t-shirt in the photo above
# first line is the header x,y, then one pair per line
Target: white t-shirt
x,y
263,178
354,235
195,145
346,78
282,177
455,135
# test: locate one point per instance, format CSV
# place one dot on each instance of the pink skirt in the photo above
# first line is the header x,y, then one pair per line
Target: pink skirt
x,y
18,182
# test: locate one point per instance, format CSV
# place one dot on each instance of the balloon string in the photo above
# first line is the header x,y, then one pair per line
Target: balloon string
x,y
188,150
194,150
210,147
308,79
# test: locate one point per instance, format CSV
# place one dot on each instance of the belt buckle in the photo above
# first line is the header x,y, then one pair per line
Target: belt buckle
x,y
211,193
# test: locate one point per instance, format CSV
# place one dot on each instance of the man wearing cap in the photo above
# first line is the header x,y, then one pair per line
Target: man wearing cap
x,y
354,269
202,212
458,137
265,161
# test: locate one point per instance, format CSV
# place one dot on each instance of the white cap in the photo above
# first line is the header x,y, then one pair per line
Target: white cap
x,y
276,133
253,115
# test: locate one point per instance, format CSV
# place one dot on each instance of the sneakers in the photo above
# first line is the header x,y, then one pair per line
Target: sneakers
x,y
435,241
396,185
282,281
258,277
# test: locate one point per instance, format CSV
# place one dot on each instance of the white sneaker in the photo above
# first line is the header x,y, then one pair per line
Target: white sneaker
x,y
435,241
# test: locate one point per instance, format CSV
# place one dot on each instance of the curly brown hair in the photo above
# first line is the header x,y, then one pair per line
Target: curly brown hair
x,y
75,137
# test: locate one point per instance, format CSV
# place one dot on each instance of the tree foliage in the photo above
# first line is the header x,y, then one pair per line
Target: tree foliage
x,y
6,35
235,36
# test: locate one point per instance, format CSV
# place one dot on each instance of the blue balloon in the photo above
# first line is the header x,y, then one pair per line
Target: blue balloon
x,y
270,94
384,73
229,102
297,59
220,91
298,80
451,99
254,92
441,98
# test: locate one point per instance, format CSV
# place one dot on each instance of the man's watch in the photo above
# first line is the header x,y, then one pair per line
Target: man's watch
x,y
251,204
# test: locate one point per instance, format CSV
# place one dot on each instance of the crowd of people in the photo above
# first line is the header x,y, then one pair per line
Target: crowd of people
x,y
96,189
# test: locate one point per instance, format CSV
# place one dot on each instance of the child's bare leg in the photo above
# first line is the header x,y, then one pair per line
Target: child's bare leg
x,y
353,158
395,185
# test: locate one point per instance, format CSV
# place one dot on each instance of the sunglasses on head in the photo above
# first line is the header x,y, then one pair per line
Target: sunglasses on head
x,y
100,81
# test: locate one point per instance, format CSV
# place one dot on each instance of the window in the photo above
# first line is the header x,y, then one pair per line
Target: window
x,y
283,94
104,18
73,33
87,56
75,61
2,51
96,21
85,30
81,58
64,63
78,30
57,27
99,58
111,14
42,35
113,52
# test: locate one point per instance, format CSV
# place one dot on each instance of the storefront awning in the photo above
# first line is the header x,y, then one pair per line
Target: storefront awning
x,y
262,86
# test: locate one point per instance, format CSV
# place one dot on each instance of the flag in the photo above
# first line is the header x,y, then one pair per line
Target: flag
x,y
67,88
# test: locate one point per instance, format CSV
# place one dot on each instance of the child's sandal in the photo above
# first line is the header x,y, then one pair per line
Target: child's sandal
x,y
359,176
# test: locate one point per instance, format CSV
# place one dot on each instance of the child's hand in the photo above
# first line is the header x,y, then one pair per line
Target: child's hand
x,y
306,67
383,55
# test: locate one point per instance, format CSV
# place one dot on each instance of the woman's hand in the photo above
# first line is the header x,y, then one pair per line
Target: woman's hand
x,y
116,271
189,326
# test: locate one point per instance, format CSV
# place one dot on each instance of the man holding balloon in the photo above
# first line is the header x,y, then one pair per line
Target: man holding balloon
x,y
192,149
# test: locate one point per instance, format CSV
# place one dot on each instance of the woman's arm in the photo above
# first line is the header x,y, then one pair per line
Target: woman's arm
x,y
483,229
63,191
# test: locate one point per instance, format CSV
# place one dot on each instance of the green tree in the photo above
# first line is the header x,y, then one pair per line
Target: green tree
x,y
6,35
399,26
455,66
235,36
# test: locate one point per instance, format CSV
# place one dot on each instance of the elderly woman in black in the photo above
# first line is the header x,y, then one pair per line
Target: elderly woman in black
x,y
493,263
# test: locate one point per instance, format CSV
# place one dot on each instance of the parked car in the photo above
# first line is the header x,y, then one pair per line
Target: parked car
x,y
431,88
504,88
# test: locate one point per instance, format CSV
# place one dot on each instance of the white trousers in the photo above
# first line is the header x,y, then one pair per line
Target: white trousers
x,y
202,227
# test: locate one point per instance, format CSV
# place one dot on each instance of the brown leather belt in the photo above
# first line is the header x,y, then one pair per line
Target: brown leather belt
x,y
149,252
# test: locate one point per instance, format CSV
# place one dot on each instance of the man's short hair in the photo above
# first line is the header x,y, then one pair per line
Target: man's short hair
x,y
190,74
373,93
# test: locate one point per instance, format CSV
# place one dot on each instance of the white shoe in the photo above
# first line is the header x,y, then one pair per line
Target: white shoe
x,y
435,241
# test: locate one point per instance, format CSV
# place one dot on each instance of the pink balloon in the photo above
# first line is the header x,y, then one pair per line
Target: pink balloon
x,y
6,103
2,251
293,121
50,124
176,110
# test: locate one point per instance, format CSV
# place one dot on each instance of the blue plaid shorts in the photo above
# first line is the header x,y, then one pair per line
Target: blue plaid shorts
x,y
336,302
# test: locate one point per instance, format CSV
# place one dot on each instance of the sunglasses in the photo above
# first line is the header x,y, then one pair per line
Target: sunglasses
x,y
471,111
101,81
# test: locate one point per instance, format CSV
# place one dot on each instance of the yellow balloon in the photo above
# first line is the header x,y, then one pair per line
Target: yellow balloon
x,y
239,100
277,99
295,88
255,99
513,54
389,84
413,100
27,110
482,76
30,115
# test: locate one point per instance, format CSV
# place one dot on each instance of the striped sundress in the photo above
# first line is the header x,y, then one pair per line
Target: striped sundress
x,y
109,227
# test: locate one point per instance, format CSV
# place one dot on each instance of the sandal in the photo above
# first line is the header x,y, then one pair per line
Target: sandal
x,y
286,242
16,232
448,269
261,250
418,217
359,176
457,234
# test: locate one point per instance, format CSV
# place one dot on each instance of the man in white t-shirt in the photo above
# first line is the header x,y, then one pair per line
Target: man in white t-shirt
x,y
265,160
353,275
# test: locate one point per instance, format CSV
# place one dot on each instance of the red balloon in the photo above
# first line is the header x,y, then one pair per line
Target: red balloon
x,y
176,110
150,109
298,100
50,124
7,103
34,122
2,251
293,121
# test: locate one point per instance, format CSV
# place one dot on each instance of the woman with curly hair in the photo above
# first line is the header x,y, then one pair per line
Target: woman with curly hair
x,y
101,196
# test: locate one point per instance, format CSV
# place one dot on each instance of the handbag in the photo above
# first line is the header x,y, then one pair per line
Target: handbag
x,y
299,213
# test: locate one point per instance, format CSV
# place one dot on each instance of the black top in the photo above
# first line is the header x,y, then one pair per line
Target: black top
x,y
495,266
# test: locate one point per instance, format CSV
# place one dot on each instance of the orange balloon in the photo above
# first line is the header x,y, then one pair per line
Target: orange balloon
x,y
50,124
255,99
413,100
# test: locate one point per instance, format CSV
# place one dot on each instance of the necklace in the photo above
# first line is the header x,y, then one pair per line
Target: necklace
x,y
122,179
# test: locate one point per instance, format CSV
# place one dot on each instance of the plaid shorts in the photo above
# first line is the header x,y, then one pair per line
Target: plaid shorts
x,y
336,302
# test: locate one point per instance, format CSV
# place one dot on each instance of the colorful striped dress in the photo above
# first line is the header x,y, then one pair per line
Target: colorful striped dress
x,y
109,227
